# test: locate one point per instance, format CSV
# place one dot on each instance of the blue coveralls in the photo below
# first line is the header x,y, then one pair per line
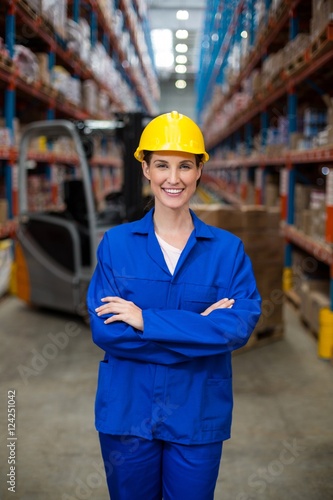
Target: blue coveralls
x,y
171,383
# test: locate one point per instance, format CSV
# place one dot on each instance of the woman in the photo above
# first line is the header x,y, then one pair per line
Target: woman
x,y
170,299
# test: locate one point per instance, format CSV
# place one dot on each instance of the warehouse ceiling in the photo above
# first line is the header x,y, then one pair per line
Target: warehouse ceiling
x,y
162,15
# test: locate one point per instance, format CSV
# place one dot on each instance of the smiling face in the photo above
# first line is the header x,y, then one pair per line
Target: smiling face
x,y
173,177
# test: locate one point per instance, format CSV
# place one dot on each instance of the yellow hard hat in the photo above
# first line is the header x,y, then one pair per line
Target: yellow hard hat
x,y
172,132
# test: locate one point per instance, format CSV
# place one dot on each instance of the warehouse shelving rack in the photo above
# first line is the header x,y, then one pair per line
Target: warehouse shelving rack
x,y
19,20
304,80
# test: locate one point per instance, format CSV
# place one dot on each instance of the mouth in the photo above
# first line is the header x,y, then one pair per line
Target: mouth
x,y
172,191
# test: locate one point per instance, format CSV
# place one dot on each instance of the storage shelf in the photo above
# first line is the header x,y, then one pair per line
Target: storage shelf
x,y
40,91
318,155
265,87
45,32
220,187
267,36
141,51
320,250
12,153
319,53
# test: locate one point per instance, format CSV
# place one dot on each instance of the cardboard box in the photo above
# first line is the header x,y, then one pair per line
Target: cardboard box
x,y
55,11
245,218
43,65
271,317
272,196
305,221
269,279
266,246
3,211
208,213
318,301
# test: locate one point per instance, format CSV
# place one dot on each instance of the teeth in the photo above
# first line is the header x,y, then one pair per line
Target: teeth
x,y
173,191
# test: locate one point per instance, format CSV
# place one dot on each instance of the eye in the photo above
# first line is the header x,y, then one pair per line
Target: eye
x,y
162,165
185,166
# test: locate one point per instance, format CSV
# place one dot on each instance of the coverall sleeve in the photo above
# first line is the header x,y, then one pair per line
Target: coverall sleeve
x,y
119,339
222,330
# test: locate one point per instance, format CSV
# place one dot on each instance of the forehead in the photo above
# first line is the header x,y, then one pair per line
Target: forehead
x,y
174,156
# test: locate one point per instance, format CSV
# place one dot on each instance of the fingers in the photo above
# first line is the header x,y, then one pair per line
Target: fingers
x,y
224,303
122,310
111,305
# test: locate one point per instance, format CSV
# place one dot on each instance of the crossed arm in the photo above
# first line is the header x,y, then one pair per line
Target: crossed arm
x,y
128,312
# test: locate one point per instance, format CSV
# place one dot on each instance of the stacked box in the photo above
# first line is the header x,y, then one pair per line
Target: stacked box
x,y
272,66
318,214
10,137
314,295
314,121
302,202
3,211
43,67
322,14
55,11
36,5
26,62
295,48
258,228
90,96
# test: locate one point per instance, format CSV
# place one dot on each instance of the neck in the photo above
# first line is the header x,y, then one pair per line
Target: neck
x,y
170,221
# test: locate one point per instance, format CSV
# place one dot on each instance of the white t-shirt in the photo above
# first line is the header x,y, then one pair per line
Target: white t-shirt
x,y
171,254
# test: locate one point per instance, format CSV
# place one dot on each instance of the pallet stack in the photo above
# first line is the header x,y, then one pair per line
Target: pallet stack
x,y
258,228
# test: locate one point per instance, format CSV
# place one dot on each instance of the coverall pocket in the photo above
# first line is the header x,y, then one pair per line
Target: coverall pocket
x,y
198,297
103,390
217,403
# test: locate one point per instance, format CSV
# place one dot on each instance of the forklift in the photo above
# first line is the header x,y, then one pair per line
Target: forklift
x,y
55,250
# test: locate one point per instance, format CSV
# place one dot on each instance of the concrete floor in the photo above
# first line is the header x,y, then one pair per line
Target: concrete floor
x,y
282,443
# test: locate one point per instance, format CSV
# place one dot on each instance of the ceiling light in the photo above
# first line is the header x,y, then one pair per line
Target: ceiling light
x,y
163,47
180,84
181,47
182,34
244,34
181,59
180,68
163,60
183,15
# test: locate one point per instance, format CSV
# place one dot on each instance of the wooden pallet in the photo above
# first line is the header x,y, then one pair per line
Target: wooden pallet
x,y
322,43
260,338
293,298
26,6
296,65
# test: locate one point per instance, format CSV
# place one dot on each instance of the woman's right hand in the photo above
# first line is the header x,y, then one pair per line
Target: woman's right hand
x,y
220,304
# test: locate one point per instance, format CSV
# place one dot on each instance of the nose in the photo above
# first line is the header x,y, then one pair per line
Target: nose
x,y
173,177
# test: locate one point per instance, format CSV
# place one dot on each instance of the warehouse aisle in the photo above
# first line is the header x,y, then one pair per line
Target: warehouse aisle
x,y
282,444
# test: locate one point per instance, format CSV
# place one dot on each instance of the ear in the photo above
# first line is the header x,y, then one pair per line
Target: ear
x,y
200,167
145,170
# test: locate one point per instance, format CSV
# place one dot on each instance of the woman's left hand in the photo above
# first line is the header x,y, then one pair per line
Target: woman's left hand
x,y
220,304
122,310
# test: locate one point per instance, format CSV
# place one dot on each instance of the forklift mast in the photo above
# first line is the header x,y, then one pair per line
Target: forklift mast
x,y
55,249
132,170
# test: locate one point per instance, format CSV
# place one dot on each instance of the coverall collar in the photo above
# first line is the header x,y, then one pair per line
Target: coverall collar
x,y
145,226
